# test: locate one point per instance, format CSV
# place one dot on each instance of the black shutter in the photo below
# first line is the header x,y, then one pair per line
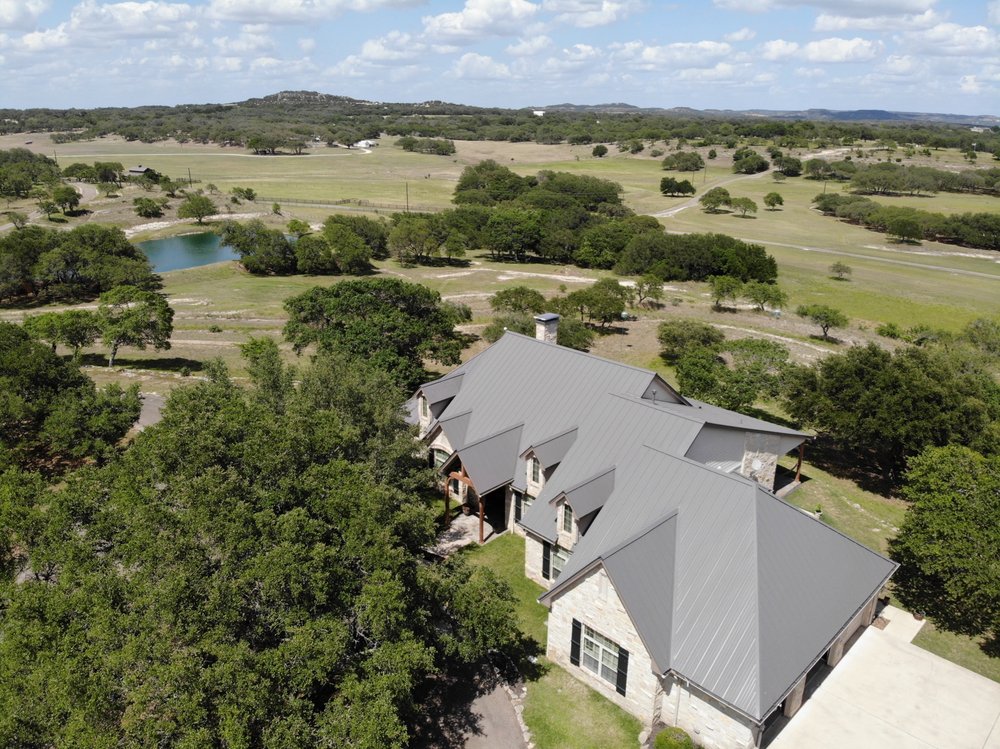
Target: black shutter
x,y
574,644
622,670
517,507
546,559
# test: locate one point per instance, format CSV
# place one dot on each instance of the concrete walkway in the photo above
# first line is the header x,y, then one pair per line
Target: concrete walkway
x,y
498,724
889,694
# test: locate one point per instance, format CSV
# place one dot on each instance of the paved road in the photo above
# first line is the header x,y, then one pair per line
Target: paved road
x,y
498,725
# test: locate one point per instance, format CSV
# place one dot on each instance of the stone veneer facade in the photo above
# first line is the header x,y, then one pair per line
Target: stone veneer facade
x,y
594,602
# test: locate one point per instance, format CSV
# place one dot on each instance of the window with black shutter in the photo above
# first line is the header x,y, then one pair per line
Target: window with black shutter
x,y
574,644
546,560
517,507
603,657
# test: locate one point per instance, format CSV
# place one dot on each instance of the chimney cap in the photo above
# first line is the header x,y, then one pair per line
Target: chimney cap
x,y
546,317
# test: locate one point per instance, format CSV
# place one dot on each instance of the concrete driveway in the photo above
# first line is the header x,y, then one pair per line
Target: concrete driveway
x,y
889,694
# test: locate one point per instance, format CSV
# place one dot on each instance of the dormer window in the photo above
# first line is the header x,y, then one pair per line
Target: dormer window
x,y
425,411
536,470
567,519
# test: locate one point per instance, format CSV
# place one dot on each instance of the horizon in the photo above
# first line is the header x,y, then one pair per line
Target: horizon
x,y
922,56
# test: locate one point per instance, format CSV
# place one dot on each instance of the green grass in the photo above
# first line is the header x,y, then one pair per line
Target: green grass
x,y
505,556
965,651
560,711
563,713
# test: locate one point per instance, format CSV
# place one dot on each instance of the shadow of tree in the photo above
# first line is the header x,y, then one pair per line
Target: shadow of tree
x,y
166,364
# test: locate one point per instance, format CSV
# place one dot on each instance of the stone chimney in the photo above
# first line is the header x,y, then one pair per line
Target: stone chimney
x,y
546,327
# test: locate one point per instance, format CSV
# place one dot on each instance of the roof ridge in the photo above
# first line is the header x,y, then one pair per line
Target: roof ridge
x,y
554,437
640,401
739,477
587,354
493,435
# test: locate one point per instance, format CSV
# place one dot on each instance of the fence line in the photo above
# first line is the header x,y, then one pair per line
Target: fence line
x,y
351,204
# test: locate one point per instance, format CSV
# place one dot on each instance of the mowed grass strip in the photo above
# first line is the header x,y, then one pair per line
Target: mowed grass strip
x,y
560,711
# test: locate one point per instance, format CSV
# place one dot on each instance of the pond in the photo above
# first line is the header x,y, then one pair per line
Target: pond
x,y
186,251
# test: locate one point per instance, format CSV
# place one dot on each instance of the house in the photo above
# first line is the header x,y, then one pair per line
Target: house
x,y
140,171
678,584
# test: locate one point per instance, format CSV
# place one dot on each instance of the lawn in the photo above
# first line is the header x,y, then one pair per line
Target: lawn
x,y
560,711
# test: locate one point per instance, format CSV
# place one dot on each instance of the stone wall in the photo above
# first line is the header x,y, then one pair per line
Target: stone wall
x,y
760,458
533,560
594,602
711,724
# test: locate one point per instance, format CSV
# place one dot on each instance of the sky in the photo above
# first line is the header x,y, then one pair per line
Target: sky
x,y
904,55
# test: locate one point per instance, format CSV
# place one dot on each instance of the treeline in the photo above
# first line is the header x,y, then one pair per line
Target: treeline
x,y
435,146
21,170
888,178
346,244
47,264
977,230
291,119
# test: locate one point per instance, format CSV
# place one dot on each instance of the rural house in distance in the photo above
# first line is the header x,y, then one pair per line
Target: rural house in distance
x,y
678,585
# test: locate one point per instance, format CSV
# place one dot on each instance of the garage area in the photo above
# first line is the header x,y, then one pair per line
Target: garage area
x,y
887,692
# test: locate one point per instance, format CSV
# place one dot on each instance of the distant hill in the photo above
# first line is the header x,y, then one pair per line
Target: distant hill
x,y
828,115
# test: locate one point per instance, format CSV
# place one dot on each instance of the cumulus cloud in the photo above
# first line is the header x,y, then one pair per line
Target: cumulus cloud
x,y
778,49
952,40
855,8
481,18
744,34
836,49
396,45
832,22
294,11
702,54
969,85
722,71
527,47
21,14
479,67
40,41
250,40
899,65
590,13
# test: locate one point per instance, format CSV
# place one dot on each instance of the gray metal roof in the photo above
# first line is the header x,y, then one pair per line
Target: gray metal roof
x,y
728,586
443,389
490,461
551,451
590,495
759,588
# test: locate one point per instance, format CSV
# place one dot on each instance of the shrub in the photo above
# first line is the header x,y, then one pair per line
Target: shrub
x,y
889,330
673,737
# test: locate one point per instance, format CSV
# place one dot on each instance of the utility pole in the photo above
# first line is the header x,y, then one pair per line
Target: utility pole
x,y
190,181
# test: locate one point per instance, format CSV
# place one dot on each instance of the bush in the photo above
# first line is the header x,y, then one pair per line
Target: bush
x,y
889,330
673,737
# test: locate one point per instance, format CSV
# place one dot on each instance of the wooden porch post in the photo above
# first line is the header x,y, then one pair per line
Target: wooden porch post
x,y
798,465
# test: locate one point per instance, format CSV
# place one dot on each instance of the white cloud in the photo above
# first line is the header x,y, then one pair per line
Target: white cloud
x,y
993,12
810,72
294,11
777,49
855,8
899,65
722,71
952,40
590,13
480,67
129,19
40,41
228,64
396,45
481,18
249,41
745,34
307,44
21,14
836,49
828,22
702,54
529,46
969,85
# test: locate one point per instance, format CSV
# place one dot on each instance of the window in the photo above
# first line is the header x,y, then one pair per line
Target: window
x,y
439,457
559,559
536,470
521,504
567,519
455,488
553,560
600,655
424,411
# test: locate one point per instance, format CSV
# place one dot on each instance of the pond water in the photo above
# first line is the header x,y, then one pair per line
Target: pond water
x,y
186,251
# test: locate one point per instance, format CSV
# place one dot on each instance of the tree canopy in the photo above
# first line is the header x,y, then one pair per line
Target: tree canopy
x,y
948,547
387,321
244,575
